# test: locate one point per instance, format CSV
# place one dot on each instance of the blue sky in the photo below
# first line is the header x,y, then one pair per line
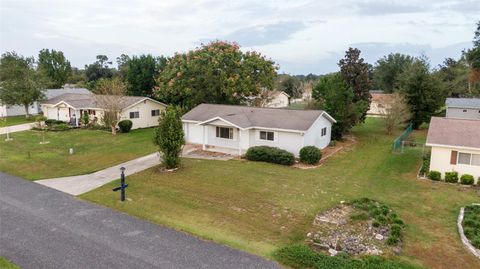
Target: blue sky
x,y
302,36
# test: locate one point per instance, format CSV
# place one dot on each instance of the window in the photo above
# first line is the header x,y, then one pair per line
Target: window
x,y
324,131
464,110
264,135
224,132
464,158
134,115
155,112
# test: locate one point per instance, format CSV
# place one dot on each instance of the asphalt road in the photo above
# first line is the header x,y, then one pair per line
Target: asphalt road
x,y
44,228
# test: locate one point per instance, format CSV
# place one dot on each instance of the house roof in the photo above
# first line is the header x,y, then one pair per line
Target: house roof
x,y
454,132
51,93
249,117
278,93
382,98
463,102
89,100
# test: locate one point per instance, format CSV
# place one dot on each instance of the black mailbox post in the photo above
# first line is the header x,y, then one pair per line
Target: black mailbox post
x,y
123,186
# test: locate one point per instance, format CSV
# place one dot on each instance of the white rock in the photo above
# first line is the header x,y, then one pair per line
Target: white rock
x,y
332,252
379,237
309,234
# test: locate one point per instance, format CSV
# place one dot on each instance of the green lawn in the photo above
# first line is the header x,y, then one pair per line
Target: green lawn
x,y
259,207
93,150
15,120
6,264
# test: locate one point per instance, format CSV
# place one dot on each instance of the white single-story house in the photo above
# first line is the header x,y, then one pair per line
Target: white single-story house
x,y
142,111
234,129
278,99
379,104
463,108
35,108
455,146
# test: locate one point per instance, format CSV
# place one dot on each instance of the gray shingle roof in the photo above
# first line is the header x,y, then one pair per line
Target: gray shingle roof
x,y
454,132
80,101
463,102
247,117
51,93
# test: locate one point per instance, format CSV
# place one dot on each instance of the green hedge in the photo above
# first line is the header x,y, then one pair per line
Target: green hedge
x,y
451,177
310,155
125,126
270,154
467,179
434,175
301,256
471,224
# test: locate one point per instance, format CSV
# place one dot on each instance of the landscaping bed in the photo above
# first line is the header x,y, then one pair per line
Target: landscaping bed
x,y
471,225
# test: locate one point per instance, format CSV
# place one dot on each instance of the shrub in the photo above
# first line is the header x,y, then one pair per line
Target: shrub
x,y
58,122
50,122
60,127
434,175
169,137
270,154
125,126
467,179
425,165
393,240
360,216
332,143
451,177
310,155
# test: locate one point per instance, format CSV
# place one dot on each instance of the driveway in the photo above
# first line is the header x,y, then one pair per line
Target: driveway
x,y
44,228
16,128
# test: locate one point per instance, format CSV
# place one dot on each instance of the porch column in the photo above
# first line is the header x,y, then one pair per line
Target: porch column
x,y
203,131
76,117
239,142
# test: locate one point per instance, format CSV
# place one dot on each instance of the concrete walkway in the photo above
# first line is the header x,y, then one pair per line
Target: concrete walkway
x,y
77,185
16,128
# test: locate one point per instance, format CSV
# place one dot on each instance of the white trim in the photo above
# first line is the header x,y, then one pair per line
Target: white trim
x,y
451,146
328,117
257,136
221,119
146,98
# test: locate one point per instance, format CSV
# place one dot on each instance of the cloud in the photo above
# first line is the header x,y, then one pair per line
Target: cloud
x,y
385,8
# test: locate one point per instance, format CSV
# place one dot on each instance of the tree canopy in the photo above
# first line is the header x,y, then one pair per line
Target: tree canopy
x,y
218,72
55,67
20,83
388,69
97,70
141,73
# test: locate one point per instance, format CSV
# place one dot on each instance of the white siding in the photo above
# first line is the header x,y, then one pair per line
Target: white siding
x,y
463,113
313,136
144,109
18,110
280,100
193,133
288,141
440,161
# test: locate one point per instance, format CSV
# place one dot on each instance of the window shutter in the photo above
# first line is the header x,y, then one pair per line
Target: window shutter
x,y
453,157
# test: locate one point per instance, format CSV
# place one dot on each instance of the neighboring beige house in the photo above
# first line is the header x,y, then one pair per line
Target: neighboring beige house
x,y
142,111
455,146
234,129
463,108
277,99
379,104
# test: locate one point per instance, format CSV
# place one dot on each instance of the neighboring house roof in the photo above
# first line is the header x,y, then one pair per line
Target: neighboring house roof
x,y
85,101
382,98
250,117
51,93
454,132
463,102
275,94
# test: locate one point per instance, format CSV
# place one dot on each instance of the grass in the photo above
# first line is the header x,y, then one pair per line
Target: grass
x,y
15,120
6,264
93,150
260,207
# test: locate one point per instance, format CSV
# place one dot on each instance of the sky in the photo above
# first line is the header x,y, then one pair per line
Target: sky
x,y
301,36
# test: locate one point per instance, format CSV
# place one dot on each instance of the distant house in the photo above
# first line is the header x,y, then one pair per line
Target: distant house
x,y
68,107
463,108
455,146
277,99
234,129
35,108
380,102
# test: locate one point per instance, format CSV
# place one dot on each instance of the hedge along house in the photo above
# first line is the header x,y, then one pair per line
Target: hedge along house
x,y
455,146
142,111
234,129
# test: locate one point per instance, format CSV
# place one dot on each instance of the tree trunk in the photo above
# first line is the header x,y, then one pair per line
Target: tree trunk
x,y
27,115
114,130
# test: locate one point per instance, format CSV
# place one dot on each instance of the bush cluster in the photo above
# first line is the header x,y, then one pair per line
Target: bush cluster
x,y
434,175
125,126
425,165
301,256
310,155
467,179
270,154
51,122
471,224
383,216
451,177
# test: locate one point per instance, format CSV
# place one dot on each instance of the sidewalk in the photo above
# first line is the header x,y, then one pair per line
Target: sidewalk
x,y
16,128
77,185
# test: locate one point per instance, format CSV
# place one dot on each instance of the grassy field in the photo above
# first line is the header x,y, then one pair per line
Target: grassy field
x,y
6,264
15,120
259,207
93,150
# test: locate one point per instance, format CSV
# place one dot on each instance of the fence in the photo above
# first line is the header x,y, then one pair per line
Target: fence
x,y
397,143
